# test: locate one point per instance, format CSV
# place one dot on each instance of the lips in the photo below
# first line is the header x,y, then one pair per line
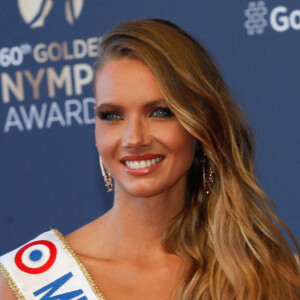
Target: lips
x,y
143,164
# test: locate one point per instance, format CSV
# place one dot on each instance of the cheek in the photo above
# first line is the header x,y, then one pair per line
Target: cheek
x,y
105,140
186,146
179,142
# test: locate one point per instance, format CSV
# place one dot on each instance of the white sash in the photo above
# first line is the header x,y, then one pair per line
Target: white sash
x,y
47,268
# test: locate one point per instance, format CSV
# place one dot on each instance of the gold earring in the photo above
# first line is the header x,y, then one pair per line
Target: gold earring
x,y
107,177
207,182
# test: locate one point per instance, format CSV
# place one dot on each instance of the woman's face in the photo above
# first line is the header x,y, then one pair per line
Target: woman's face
x,y
141,142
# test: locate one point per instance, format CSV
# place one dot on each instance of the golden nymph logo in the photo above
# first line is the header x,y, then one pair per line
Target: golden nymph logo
x,y
55,88
57,95
35,12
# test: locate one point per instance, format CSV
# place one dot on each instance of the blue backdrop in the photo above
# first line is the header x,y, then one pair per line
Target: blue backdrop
x,y
49,167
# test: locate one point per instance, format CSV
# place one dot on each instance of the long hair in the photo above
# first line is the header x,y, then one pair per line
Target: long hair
x,y
228,238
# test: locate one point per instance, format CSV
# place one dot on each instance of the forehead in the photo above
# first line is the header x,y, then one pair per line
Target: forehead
x,y
126,80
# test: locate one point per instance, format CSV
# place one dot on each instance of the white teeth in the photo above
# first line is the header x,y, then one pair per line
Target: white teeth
x,y
142,164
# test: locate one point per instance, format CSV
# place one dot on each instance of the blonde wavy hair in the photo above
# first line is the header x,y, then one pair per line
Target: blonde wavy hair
x,y
229,238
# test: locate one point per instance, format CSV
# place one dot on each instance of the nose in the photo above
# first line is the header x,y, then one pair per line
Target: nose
x,y
136,134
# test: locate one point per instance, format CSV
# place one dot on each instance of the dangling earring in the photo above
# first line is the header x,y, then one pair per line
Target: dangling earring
x,y
107,177
207,182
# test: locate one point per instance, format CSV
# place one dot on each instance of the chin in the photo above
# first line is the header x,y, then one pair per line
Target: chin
x,y
141,191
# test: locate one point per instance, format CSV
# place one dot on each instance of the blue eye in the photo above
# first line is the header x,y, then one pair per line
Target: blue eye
x,y
109,116
161,112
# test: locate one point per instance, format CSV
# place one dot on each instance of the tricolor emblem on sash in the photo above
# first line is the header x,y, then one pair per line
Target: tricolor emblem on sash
x,y
48,269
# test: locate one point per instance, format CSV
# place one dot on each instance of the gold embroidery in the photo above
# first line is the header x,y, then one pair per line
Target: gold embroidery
x,y
11,283
80,264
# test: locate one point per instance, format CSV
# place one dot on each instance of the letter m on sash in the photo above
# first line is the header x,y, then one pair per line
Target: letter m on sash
x,y
54,286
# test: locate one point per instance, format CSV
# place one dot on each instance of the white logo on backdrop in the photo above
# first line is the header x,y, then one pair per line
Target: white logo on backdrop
x,y
35,12
280,19
256,21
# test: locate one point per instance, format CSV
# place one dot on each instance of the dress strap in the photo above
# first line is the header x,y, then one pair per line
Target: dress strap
x,y
47,268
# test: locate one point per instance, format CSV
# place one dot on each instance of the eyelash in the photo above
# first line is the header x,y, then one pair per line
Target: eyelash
x,y
107,116
114,116
165,110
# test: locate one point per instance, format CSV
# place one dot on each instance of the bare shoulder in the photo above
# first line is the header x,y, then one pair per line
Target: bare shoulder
x,y
89,234
5,290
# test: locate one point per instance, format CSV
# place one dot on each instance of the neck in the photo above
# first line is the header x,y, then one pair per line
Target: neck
x,y
135,225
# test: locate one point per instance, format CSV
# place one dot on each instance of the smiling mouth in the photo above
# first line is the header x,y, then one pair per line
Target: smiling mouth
x,y
142,164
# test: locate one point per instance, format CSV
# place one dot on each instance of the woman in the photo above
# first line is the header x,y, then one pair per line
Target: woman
x,y
188,220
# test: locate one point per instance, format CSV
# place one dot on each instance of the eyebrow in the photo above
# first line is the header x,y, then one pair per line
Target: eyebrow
x,y
120,107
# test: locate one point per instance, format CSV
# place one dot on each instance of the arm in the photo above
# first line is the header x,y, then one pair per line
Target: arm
x,y
5,290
